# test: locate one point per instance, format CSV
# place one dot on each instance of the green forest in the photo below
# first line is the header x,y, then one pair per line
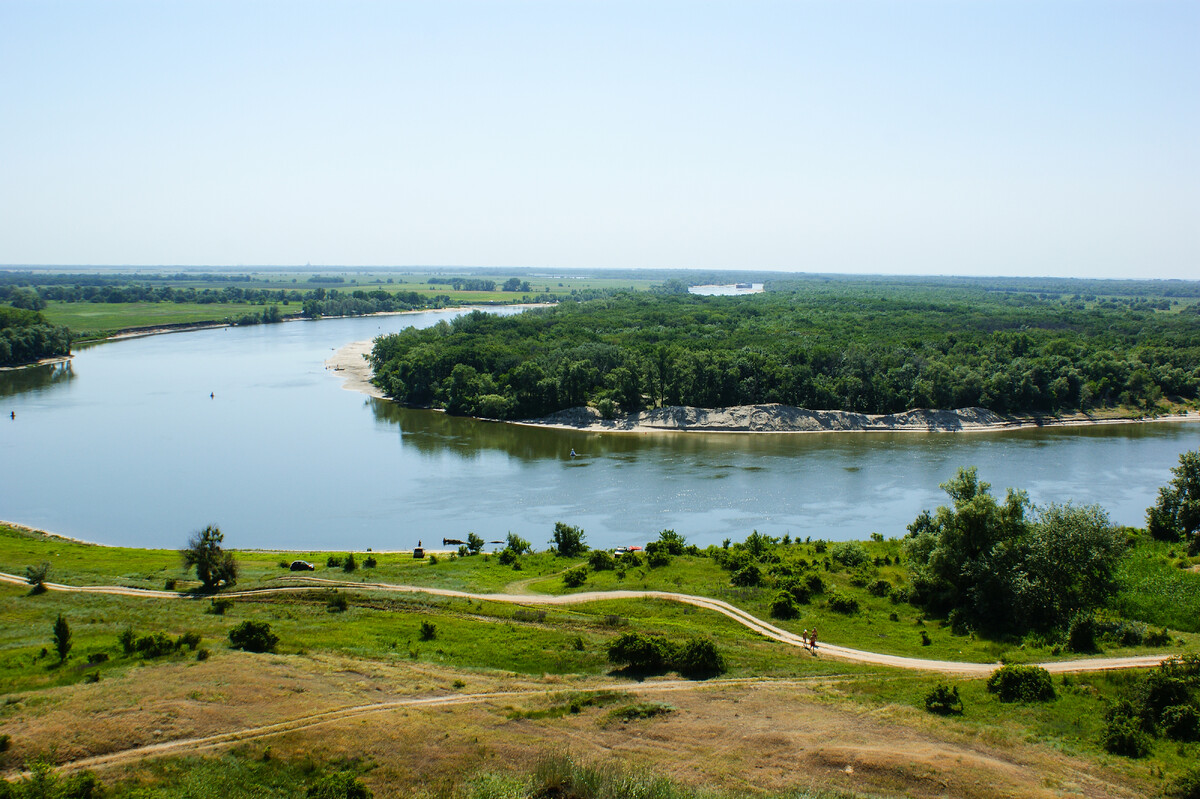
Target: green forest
x,y
837,343
26,336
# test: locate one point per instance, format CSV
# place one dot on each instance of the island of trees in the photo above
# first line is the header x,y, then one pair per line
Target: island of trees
x,y
26,336
838,344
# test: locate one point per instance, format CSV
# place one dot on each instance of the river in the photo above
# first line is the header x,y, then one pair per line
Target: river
x,y
126,446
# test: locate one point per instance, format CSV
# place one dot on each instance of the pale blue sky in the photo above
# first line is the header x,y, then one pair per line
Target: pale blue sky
x,y
1039,138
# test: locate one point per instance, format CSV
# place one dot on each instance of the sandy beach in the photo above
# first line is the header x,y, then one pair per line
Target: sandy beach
x,y
351,364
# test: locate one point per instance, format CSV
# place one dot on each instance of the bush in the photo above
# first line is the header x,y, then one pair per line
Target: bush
x,y
217,607
1123,734
170,584
1185,786
815,584
337,603
1181,723
370,562
747,576
350,565
573,578
253,636
202,653
672,542
189,639
334,561
36,576
1157,637
640,652
657,555
341,785
797,590
699,658
783,606
155,645
601,560
849,554
1021,684
841,603
127,638
428,631
944,701
880,588
1081,635
507,557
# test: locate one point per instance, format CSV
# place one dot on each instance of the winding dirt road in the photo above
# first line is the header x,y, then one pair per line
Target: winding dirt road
x,y
753,623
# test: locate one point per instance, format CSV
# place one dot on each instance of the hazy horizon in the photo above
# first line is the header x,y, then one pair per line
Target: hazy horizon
x,y
929,138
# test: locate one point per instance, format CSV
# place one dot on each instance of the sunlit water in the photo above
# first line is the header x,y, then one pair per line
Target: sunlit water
x,y
126,447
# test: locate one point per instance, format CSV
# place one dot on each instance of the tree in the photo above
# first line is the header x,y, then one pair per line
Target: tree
x,y
997,568
518,545
568,541
36,576
213,565
474,543
1176,515
62,638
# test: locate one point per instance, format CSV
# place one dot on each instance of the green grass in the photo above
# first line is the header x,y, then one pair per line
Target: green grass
x,y
97,318
1155,590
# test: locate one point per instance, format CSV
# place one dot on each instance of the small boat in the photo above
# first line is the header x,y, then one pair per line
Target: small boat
x,y
635,549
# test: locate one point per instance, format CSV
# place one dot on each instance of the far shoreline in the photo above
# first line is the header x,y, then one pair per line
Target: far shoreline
x,y
351,360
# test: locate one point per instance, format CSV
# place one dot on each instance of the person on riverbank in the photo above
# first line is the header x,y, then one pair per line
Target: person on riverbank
x,y
804,638
812,642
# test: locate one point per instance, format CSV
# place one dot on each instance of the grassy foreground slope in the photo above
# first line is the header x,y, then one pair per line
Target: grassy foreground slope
x,y
812,725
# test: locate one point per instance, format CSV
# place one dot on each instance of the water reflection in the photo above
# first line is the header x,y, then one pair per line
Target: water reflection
x,y
35,378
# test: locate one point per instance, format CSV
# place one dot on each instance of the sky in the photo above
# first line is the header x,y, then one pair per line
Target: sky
x,y
957,137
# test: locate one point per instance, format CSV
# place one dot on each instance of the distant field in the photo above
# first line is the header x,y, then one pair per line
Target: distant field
x,y
84,317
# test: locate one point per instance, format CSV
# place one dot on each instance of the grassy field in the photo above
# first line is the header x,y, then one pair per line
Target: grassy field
x,y
779,723
96,318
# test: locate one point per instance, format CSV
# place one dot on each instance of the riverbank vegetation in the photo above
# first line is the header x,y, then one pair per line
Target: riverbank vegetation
x,y
26,336
837,344
545,671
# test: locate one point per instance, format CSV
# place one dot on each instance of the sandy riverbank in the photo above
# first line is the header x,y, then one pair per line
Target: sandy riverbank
x,y
355,371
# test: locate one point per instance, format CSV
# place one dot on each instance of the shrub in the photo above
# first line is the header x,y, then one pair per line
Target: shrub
x,y
81,785
1184,786
95,658
155,645
350,565
5,742
640,652
202,653
747,576
573,578
657,555
1181,723
170,584
370,562
797,589
217,607
92,677
815,584
253,636
820,546
517,544
1016,683
1081,635
428,631
341,785
337,603
189,639
944,701
507,557
126,639
879,588
433,559
630,560
841,603
783,606
925,639
900,594
601,560
699,658
641,710
1157,637
62,638
849,554
672,542
334,561
1123,733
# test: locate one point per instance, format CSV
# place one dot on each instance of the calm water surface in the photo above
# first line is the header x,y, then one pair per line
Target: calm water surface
x,y
125,446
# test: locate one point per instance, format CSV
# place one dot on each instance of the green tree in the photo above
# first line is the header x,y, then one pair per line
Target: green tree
x,y
62,638
214,566
568,541
474,543
518,545
36,576
1176,514
253,636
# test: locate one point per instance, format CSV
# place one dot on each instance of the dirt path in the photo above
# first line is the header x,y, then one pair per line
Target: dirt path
x,y
201,743
753,623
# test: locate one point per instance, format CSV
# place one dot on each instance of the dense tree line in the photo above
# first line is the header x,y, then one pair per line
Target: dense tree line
x,y
26,336
846,345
